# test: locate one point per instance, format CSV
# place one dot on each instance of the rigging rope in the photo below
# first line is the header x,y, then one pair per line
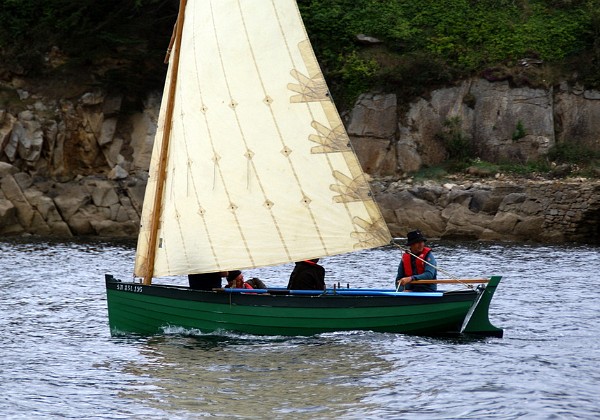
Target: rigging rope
x,y
470,286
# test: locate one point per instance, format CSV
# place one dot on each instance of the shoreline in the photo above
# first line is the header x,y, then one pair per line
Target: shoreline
x,y
457,207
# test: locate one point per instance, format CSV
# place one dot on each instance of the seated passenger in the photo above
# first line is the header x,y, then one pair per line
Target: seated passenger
x,y
235,279
307,275
256,283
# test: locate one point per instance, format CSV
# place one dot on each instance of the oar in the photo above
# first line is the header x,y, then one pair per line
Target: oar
x,y
448,281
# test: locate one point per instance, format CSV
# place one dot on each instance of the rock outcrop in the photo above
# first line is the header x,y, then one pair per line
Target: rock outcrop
x,y
79,166
541,211
84,206
499,122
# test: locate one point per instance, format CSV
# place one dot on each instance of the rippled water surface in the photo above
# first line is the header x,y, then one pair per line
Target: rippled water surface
x,y
58,360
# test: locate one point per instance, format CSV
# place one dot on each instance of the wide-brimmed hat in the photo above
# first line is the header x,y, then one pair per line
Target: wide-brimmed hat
x,y
233,274
414,237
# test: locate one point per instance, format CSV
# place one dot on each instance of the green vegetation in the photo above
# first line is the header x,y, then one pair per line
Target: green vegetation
x,y
425,42
562,160
120,38
430,172
570,153
519,132
428,42
581,159
457,144
540,167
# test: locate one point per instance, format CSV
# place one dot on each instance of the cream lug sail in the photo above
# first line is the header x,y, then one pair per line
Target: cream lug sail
x,y
259,169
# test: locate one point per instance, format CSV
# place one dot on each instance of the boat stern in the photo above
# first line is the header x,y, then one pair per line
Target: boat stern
x,y
477,321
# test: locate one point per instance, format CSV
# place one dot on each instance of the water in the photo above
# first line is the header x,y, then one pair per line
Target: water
x,y
58,360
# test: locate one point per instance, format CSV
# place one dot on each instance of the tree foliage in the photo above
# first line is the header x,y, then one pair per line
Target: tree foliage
x,y
425,42
458,37
134,33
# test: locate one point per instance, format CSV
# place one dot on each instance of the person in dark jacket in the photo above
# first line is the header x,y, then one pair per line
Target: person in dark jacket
x,y
417,263
256,283
307,275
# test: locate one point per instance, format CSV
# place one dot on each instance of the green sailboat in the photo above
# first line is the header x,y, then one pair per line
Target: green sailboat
x,y
252,167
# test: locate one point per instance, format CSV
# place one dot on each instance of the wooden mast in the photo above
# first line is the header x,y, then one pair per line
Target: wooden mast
x,y
164,149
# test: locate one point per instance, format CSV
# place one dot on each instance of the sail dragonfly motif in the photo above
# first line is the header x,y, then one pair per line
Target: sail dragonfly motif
x,y
259,169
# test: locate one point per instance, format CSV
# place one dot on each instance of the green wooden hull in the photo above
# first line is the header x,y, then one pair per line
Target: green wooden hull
x,y
138,309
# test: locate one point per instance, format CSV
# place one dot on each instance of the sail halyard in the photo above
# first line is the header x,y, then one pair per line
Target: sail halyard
x,y
260,170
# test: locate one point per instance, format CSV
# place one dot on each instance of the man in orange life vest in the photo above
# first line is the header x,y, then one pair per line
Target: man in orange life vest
x,y
413,268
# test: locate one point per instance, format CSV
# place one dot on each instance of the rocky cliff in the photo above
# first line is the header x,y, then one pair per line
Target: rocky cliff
x,y
502,124
78,166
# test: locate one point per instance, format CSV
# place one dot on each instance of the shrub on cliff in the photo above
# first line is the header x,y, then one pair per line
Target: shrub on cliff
x,y
465,36
117,38
456,38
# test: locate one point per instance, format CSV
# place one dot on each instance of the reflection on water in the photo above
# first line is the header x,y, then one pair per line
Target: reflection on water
x,y
57,358
212,375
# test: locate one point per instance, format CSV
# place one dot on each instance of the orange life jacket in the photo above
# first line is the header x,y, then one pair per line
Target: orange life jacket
x,y
420,265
